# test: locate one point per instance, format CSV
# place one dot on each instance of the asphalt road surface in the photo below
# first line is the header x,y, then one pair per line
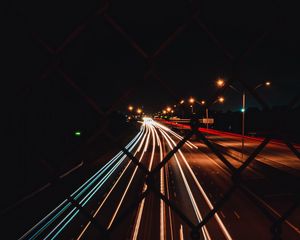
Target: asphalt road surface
x,y
178,195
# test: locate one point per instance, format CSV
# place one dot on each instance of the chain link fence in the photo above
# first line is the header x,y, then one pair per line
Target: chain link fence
x,y
54,57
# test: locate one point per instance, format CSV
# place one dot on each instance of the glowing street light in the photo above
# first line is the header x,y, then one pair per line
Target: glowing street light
x,y
202,102
192,100
220,82
221,99
267,84
130,108
164,111
169,109
182,101
139,111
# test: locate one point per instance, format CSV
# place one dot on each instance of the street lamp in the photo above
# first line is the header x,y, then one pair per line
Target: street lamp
x,y
221,99
192,100
139,111
130,108
221,83
206,112
267,84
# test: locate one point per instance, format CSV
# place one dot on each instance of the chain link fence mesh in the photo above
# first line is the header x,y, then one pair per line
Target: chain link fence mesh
x,y
53,56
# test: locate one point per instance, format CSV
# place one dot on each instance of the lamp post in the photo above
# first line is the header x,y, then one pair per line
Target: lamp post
x,y
192,100
202,103
206,112
243,122
130,108
221,83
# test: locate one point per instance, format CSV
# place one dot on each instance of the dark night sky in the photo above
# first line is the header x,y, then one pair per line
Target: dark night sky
x,y
105,66
41,114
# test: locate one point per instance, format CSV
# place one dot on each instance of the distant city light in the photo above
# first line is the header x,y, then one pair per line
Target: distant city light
x,y
242,109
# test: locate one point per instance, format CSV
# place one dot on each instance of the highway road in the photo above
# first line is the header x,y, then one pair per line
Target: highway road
x,y
274,154
192,180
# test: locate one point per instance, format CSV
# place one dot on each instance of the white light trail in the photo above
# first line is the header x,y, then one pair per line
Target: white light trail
x,y
128,185
79,191
218,219
108,194
193,201
190,144
141,205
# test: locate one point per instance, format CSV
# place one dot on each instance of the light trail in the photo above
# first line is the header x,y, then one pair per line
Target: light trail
x,y
190,144
162,210
169,208
181,232
193,201
164,173
128,185
218,219
162,189
87,190
141,205
83,202
108,194
65,205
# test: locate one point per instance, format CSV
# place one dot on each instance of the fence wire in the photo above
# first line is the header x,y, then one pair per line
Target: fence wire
x,y
152,73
